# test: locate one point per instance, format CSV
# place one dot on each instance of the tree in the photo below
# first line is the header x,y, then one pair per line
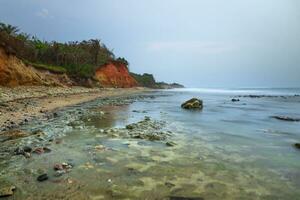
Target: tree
x,y
9,29
95,48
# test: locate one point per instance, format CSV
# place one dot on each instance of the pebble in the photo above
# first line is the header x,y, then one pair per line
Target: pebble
x,y
42,177
7,191
170,144
235,100
59,173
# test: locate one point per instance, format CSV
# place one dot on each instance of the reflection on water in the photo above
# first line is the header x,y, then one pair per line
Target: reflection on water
x,y
227,151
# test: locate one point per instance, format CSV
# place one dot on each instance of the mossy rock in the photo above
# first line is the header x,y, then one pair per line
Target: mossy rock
x,y
193,103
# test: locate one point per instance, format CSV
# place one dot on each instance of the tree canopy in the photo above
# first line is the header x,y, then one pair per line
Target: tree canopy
x,y
78,58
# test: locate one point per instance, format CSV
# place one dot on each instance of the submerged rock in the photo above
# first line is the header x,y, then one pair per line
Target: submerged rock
x,y
170,144
42,177
297,145
7,191
285,118
25,151
146,129
235,100
62,168
193,103
41,150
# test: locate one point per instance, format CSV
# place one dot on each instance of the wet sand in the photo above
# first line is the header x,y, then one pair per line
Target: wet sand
x,y
20,105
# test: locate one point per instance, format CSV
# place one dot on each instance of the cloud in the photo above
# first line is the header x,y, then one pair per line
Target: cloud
x,y
192,47
44,13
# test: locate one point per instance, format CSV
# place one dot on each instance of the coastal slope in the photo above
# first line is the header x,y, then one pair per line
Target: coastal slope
x,y
115,74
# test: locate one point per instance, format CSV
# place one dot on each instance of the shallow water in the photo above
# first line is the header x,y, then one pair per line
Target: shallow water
x,y
229,150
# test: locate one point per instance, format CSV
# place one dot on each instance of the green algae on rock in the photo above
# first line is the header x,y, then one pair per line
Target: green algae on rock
x,y
193,103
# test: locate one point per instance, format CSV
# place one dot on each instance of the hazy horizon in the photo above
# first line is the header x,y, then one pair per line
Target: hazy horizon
x,y
199,43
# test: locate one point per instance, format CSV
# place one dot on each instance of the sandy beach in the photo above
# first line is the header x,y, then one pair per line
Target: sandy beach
x,y
22,104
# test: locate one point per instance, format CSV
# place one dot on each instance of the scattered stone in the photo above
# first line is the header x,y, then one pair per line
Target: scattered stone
x,y
169,185
7,191
171,144
235,100
38,150
147,118
59,173
62,168
42,177
193,103
55,114
130,127
47,150
58,167
41,150
285,118
27,155
27,149
297,145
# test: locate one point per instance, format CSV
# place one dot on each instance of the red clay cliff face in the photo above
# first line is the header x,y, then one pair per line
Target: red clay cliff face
x,y
115,74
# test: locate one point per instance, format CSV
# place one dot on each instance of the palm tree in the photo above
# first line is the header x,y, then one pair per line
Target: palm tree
x,y
9,29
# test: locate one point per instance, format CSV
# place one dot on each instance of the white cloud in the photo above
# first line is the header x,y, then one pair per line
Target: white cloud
x,y
192,47
44,13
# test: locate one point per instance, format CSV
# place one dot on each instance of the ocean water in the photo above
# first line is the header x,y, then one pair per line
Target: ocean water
x,y
229,150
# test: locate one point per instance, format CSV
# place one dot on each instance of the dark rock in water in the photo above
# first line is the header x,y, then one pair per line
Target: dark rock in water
x,y
7,191
285,118
42,177
27,149
235,100
171,144
19,151
129,127
147,118
169,185
185,198
193,103
46,150
297,145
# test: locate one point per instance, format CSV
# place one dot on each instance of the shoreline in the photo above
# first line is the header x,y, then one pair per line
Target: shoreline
x,y
20,105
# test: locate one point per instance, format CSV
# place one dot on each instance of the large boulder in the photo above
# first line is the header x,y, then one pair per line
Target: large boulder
x,y
193,103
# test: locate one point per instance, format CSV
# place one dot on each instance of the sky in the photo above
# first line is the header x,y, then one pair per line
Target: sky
x,y
199,43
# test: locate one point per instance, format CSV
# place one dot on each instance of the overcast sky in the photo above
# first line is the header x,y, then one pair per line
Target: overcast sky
x,y
200,43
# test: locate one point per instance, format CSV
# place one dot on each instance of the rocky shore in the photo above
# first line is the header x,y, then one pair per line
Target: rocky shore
x,y
20,105
31,145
